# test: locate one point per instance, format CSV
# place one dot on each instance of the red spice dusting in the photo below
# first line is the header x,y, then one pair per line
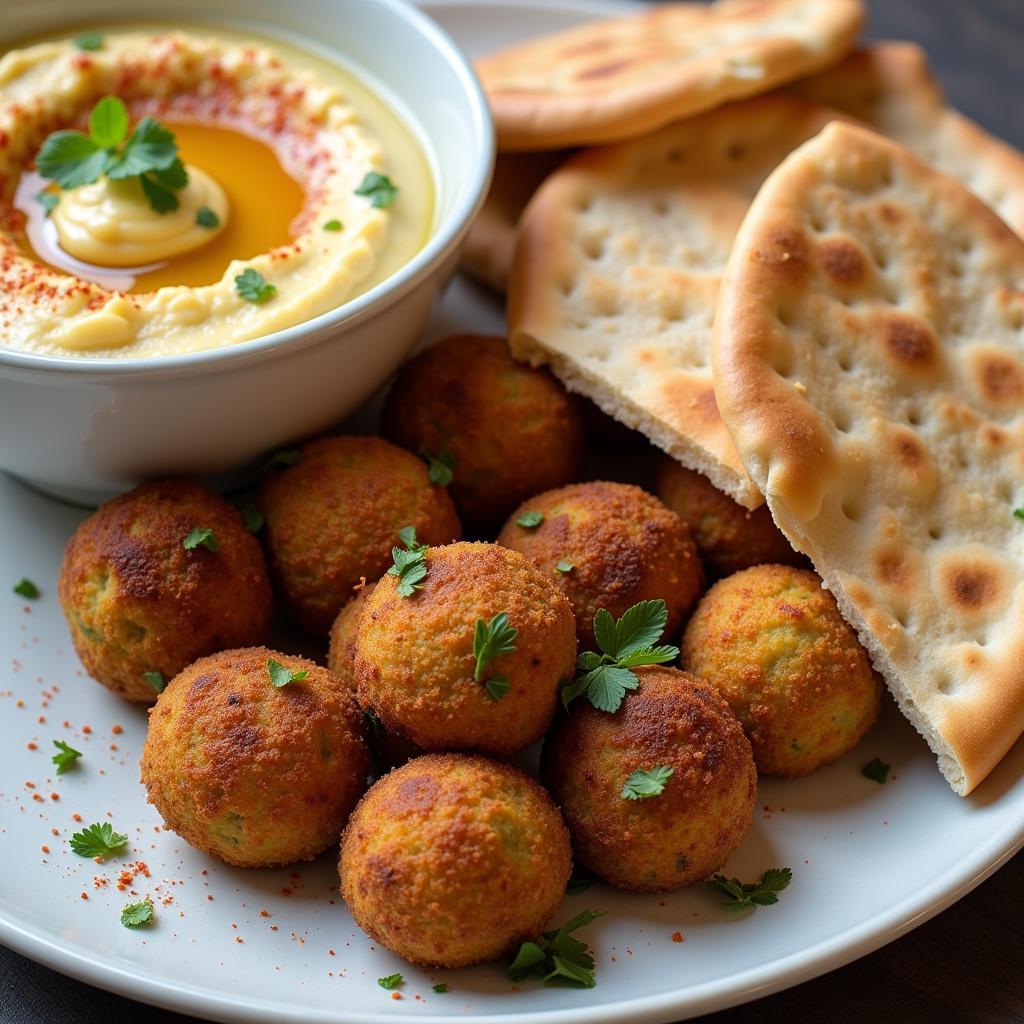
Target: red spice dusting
x,y
99,882
116,730
55,796
77,817
38,797
396,995
87,729
85,895
30,785
677,936
41,720
128,873
32,746
273,927
44,848
330,952
239,939
264,913
210,898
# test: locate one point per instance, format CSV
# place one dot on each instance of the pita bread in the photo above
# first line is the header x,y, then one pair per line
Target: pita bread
x,y
613,79
869,363
618,263
890,86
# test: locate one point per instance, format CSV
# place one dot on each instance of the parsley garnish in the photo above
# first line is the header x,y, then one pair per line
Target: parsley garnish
x,y
528,520
252,517
72,158
490,640
440,988
558,957
134,915
876,770
280,675
156,680
641,784
89,41
753,894
333,225
285,457
378,188
47,200
564,566
97,841
26,588
440,468
65,757
579,881
1019,513
625,644
201,535
252,286
391,981
206,218
496,687
410,563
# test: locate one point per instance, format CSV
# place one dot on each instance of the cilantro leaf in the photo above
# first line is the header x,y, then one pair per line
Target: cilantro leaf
x,y
649,656
743,895
71,158
108,122
557,956
333,225
252,517
206,218
134,915
606,686
26,588
564,566
97,840
201,535
440,468
161,199
640,626
528,520
876,770
1019,513
579,881
252,286
642,784
378,188
440,988
407,535
280,675
65,757
150,148
490,640
48,201
410,563
89,41
391,981
156,680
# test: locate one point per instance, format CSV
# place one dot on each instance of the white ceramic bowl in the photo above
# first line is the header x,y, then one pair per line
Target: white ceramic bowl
x,y
84,429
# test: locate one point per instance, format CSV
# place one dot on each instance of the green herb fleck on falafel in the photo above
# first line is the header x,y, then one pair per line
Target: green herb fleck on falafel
x,y
642,784
280,675
201,535
410,563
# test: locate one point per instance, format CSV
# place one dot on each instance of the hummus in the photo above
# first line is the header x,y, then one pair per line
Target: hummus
x,y
75,276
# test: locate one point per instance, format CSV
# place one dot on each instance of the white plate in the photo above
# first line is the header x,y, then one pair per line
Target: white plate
x,y
870,862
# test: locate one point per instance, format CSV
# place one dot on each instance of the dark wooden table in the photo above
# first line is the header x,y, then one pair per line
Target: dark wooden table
x,y
965,966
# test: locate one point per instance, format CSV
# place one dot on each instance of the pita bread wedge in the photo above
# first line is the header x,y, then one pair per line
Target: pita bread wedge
x,y
890,87
869,363
617,78
618,263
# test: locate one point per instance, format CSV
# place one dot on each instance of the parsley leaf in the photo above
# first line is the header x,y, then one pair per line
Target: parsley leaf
x,y
496,687
333,225
1019,513
26,588
876,770
440,468
564,566
741,895
89,41
206,218
108,122
491,640
556,955
97,841
579,881
201,535
252,517
134,915
280,675
281,459
410,564
48,201
625,644
71,158
156,680
528,520
642,784
150,148
391,981
440,988
251,285
65,757
378,188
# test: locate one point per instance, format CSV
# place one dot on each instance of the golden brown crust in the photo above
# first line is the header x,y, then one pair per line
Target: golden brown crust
x,y
251,773
890,441
341,651
690,830
623,544
333,518
137,601
453,859
621,77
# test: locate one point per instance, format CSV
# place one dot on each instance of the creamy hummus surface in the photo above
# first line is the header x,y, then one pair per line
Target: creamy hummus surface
x,y
99,270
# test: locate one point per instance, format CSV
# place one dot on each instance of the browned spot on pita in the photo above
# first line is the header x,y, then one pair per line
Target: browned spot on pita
x,y
909,343
890,214
908,450
893,569
842,260
972,586
786,250
603,70
994,436
1000,378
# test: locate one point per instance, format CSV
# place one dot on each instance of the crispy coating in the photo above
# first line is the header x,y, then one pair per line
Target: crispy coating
x,y
623,544
728,536
251,773
688,831
514,430
454,859
341,651
137,601
333,518
414,660
773,641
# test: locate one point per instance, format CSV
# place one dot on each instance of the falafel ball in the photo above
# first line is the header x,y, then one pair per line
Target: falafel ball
x,y
773,641
728,536
141,604
416,664
454,859
342,649
608,545
681,730
333,517
255,773
510,429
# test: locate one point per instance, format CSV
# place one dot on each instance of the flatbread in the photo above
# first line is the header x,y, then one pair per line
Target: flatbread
x,y
613,79
487,251
869,363
890,86
618,263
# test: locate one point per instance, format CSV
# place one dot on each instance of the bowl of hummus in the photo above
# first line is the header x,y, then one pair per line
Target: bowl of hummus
x,y
221,228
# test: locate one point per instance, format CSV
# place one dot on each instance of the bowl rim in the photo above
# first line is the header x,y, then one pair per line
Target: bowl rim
x,y
446,235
